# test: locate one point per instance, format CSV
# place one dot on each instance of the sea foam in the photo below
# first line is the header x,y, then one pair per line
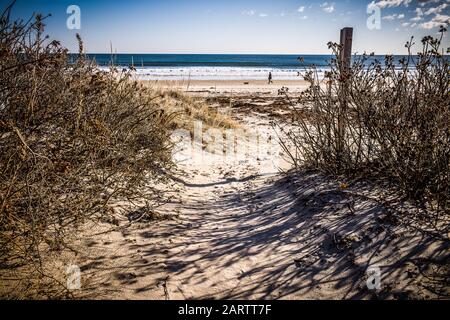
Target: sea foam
x,y
217,73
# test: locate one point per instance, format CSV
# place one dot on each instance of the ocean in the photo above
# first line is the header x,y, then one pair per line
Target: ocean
x,y
215,66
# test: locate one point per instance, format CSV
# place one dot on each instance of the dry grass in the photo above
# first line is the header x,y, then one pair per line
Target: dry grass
x,y
188,109
376,120
73,140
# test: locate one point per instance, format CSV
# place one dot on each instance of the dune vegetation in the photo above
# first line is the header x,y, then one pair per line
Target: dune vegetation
x,y
73,139
377,121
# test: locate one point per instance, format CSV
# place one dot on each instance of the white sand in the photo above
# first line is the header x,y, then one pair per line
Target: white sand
x,y
231,86
242,231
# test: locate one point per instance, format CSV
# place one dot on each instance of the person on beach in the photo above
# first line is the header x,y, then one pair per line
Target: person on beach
x,y
270,77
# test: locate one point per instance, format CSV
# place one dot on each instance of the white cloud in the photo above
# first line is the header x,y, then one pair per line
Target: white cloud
x,y
301,9
304,17
263,15
429,25
327,7
390,17
248,13
423,3
394,16
405,24
389,3
437,9
437,21
419,14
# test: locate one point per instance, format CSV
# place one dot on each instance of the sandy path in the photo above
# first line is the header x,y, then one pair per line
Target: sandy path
x,y
241,231
219,246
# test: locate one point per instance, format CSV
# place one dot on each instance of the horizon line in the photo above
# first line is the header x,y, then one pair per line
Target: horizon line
x,y
244,54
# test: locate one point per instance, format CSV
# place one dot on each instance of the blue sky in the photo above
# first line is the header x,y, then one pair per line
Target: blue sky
x,y
232,26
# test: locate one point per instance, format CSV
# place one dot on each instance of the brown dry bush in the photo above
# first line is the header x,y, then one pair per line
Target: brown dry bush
x,y
72,139
395,123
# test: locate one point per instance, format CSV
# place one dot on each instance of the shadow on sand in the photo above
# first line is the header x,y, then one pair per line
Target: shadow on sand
x,y
298,237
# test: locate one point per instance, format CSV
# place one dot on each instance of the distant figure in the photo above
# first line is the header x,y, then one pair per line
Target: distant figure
x,y
270,77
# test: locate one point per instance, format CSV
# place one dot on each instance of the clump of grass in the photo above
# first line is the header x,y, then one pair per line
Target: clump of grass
x,y
379,120
72,139
188,109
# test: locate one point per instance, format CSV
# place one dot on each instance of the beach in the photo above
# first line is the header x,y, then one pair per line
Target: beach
x,y
241,228
229,86
197,163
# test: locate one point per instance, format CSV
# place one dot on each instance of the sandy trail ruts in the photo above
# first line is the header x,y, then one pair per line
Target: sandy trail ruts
x,y
240,232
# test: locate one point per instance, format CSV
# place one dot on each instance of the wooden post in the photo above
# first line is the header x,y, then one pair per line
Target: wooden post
x,y
344,64
346,48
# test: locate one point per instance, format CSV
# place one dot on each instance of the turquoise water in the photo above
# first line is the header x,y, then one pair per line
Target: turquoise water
x,y
210,60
